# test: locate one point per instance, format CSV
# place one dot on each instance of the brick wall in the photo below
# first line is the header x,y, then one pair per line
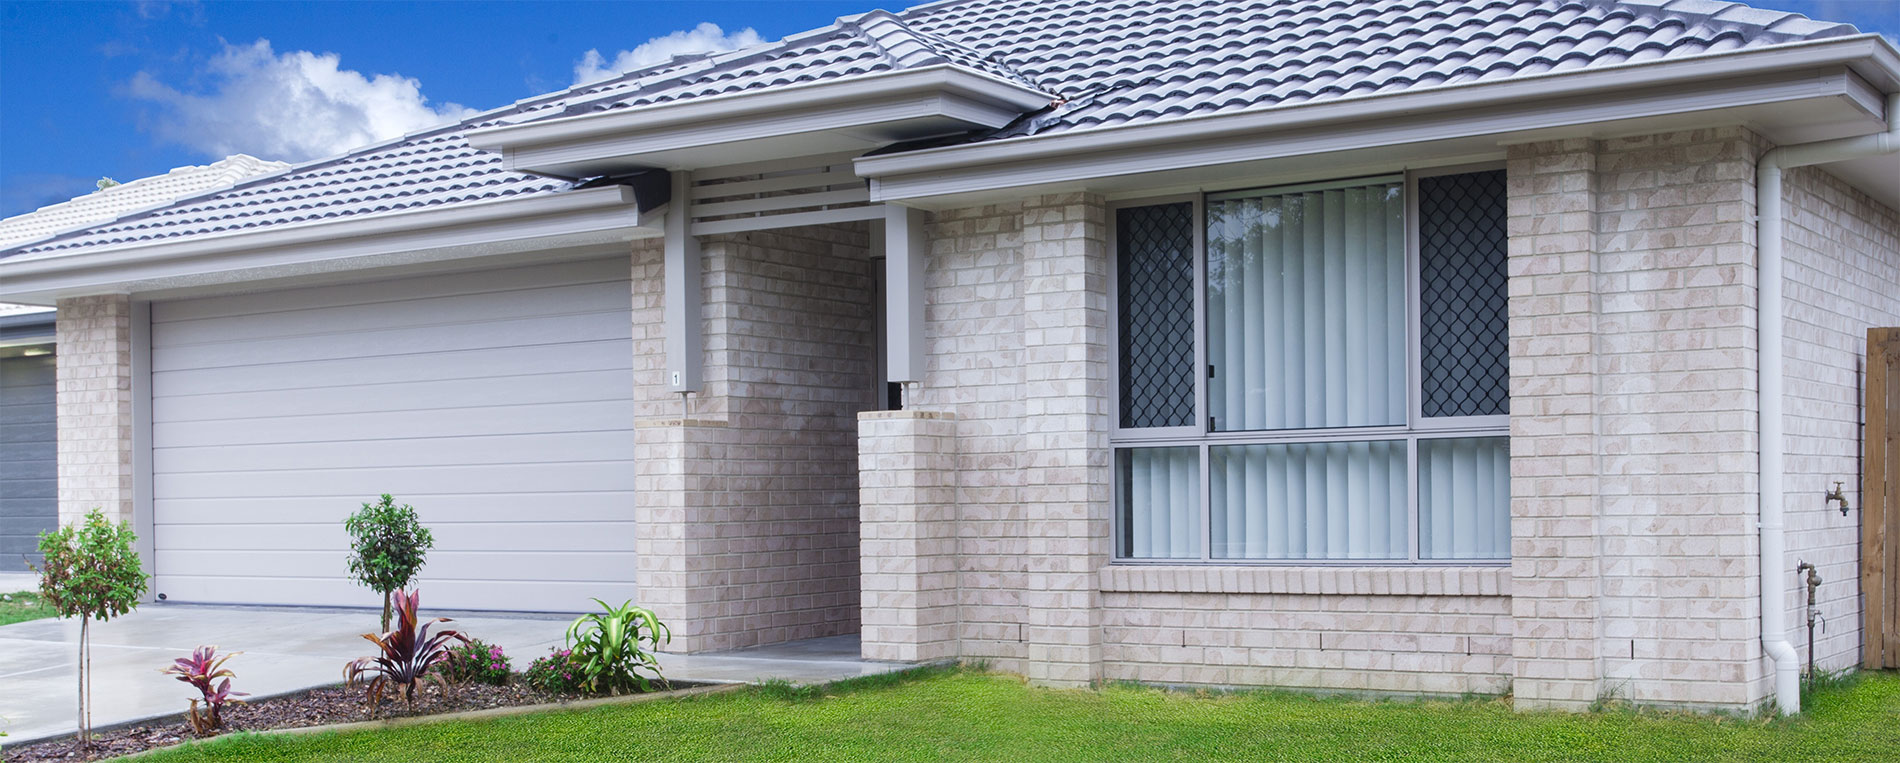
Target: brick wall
x,y
974,369
94,400
1633,421
747,502
1842,262
1433,630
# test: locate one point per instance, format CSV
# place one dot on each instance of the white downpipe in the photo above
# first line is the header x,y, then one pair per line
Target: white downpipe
x,y
1768,238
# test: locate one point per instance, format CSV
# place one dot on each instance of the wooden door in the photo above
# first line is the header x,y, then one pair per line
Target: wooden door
x,y
1880,496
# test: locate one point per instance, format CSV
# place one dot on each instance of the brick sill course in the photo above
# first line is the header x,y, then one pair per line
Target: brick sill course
x,y
1334,580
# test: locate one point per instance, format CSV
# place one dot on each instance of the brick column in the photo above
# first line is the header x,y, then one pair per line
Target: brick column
x,y
1555,556
1066,491
907,483
94,398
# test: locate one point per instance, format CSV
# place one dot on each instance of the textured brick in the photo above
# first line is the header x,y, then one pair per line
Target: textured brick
x,y
94,402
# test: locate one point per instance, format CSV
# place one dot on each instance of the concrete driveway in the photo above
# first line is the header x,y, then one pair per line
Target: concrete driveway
x,y
288,649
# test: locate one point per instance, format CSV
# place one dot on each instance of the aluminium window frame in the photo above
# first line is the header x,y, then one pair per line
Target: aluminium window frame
x,y
1201,436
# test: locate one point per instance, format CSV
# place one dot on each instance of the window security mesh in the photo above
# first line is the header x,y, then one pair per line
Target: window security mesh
x,y
1155,267
1463,344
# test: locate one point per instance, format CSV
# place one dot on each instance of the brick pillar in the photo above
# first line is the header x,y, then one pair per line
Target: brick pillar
x,y
1555,556
1066,485
94,398
907,483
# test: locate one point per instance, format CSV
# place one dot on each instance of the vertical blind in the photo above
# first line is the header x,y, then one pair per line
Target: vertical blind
x,y
1464,493
1306,321
1159,497
1333,500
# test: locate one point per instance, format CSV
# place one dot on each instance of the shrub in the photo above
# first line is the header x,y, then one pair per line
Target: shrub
x,y
557,673
614,648
90,571
388,546
408,654
200,669
477,662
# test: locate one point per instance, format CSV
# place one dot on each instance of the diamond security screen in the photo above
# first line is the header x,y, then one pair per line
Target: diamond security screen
x,y
1463,350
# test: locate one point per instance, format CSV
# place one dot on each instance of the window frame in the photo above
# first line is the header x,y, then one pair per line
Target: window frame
x,y
1203,438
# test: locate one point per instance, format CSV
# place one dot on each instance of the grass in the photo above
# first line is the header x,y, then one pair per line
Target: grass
x,y
947,714
21,607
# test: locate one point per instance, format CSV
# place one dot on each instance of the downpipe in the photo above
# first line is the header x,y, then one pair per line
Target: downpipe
x,y
1769,319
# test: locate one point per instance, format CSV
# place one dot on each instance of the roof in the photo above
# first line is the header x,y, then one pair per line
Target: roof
x,y
1112,62
109,203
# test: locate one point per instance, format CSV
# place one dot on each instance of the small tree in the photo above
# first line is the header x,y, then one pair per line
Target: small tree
x,y
90,571
387,547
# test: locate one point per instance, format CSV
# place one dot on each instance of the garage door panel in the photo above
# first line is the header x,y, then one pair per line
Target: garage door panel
x,y
443,564
450,451
401,480
567,357
403,396
460,309
494,335
39,427
585,416
501,408
554,507
437,595
329,536
392,290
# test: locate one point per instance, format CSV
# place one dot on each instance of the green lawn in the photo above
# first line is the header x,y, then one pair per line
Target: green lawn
x,y
953,715
21,607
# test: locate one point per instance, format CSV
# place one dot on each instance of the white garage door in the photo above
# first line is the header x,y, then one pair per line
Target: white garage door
x,y
498,403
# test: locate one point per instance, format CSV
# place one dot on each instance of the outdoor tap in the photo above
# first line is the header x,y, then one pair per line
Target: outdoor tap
x,y
1837,495
1814,583
1814,609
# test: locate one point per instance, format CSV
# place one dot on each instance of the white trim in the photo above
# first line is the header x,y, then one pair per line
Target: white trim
x,y
824,179
785,201
141,372
791,220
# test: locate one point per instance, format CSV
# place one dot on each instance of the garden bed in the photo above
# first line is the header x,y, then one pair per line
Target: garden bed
x,y
321,706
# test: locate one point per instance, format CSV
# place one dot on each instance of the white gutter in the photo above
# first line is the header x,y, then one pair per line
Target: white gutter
x,y
1768,237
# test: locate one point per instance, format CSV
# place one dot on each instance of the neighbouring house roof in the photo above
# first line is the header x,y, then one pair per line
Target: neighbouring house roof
x,y
1110,62
110,203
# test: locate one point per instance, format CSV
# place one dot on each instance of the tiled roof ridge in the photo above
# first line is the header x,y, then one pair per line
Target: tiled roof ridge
x,y
910,48
1781,26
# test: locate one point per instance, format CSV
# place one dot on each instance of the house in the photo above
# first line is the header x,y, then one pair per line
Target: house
x,y
1425,347
27,443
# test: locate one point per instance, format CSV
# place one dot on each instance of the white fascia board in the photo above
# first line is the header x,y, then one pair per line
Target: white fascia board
x,y
818,117
916,174
941,79
608,209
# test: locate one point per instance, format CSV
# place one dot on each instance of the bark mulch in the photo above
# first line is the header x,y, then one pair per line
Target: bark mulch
x,y
316,707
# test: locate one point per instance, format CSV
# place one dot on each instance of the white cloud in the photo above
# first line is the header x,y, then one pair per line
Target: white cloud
x,y
292,107
705,38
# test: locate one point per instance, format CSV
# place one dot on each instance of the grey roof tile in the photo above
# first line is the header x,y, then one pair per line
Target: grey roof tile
x,y
1113,62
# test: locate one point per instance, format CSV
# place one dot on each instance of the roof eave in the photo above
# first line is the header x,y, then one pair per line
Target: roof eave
x,y
1869,56
608,133
109,269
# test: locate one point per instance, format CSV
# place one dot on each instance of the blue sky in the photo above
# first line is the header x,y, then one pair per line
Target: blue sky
x,y
131,89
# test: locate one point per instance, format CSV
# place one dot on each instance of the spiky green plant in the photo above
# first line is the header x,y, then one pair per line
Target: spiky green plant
x,y
615,647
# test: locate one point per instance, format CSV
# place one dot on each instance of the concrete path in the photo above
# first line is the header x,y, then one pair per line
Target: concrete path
x,y
287,650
